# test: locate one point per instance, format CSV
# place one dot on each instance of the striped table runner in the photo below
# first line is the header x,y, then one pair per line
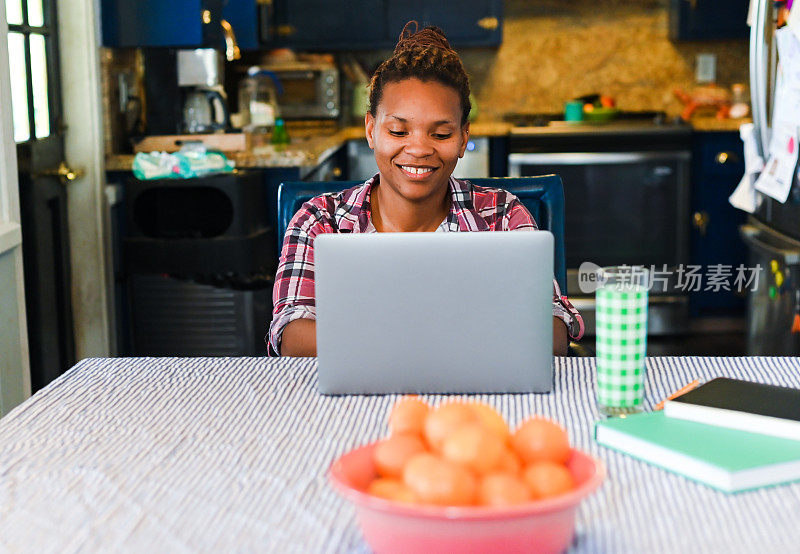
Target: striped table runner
x,y
230,455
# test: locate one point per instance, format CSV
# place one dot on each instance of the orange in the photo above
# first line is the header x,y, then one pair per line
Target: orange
x,y
390,455
440,482
491,419
546,479
474,446
539,439
509,462
445,419
391,489
408,416
502,489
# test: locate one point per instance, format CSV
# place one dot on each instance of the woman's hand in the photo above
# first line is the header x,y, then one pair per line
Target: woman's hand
x,y
560,337
299,338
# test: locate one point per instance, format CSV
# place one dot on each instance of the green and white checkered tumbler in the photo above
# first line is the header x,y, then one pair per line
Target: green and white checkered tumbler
x,y
621,328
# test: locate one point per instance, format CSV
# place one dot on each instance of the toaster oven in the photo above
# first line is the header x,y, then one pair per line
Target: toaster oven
x,y
310,90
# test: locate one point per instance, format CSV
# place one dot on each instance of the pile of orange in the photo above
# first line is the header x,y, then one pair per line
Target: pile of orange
x,y
464,454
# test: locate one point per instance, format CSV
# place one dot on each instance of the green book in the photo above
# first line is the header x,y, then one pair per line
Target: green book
x,y
726,459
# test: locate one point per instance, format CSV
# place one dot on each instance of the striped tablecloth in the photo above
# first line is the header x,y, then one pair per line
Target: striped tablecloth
x,y
230,455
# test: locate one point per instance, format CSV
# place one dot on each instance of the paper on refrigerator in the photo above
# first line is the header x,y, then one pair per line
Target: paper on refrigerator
x,y
745,197
793,21
779,170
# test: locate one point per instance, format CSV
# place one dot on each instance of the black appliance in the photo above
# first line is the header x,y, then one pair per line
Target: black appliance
x,y
772,232
184,92
626,189
199,260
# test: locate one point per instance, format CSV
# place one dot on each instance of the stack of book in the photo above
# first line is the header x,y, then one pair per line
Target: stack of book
x,y
732,435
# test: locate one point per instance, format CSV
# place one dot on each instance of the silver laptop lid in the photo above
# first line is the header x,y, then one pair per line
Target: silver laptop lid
x,y
434,312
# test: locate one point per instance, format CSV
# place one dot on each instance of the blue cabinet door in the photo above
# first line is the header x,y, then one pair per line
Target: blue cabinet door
x,y
717,167
173,23
325,25
375,24
247,17
708,19
469,23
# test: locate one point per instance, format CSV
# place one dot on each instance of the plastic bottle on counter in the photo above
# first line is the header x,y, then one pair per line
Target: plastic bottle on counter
x,y
280,136
739,104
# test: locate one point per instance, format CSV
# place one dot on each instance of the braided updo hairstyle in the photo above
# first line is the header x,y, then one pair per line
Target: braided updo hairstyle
x,y
425,55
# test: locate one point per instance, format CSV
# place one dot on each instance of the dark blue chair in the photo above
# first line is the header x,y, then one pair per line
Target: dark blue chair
x,y
543,196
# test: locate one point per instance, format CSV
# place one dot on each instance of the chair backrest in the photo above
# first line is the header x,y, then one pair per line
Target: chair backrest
x,y
542,195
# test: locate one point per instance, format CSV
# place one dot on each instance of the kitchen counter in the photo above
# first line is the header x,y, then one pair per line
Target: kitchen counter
x,y
304,151
711,123
308,148
311,147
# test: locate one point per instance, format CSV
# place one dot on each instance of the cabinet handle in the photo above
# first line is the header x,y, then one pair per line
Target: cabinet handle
x,y
285,30
700,221
337,172
488,23
726,157
205,15
232,51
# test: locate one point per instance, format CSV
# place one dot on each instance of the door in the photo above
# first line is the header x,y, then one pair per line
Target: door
x,y
14,368
43,181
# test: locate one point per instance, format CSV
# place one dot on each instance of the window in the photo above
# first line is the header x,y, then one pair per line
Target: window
x,y
29,48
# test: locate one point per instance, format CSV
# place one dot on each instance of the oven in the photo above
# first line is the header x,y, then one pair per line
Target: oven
x,y
626,189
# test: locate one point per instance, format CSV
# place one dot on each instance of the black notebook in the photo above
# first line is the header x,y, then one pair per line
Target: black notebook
x,y
744,405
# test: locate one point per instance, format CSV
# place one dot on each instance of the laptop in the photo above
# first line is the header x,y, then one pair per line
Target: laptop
x,y
434,312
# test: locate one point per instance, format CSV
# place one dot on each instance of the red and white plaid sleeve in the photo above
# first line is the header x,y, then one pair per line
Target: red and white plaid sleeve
x,y
519,219
293,292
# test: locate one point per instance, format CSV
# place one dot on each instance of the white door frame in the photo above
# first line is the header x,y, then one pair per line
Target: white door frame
x,y
15,374
89,229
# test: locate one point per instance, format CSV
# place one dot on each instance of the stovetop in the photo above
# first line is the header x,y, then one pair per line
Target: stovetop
x,y
625,122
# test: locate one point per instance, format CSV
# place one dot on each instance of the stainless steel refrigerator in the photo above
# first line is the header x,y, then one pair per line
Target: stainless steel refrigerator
x,y
772,232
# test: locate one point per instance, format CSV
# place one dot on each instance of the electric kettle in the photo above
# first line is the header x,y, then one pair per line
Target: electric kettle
x,y
205,110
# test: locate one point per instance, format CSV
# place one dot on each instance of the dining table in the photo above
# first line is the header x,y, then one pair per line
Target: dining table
x,y
231,454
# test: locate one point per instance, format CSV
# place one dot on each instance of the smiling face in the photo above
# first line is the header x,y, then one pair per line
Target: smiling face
x,y
418,138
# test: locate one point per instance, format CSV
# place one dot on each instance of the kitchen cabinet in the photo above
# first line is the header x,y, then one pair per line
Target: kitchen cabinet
x,y
299,24
333,168
173,23
374,24
320,25
471,23
717,167
251,22
708,19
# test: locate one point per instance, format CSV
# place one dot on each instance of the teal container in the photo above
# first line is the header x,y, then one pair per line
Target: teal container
x,y
573,111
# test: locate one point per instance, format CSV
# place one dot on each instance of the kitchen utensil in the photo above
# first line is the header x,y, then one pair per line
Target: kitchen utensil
x,y
204,110
225,142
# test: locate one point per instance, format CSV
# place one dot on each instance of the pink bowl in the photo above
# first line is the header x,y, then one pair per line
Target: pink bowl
x,y
391,527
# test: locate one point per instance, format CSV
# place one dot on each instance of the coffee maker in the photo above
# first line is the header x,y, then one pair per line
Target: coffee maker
x,y
184,92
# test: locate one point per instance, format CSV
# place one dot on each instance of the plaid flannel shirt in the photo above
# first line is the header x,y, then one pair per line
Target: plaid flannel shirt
x,y
473,208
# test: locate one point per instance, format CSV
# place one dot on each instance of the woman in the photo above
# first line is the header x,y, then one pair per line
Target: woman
x,y
417,125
